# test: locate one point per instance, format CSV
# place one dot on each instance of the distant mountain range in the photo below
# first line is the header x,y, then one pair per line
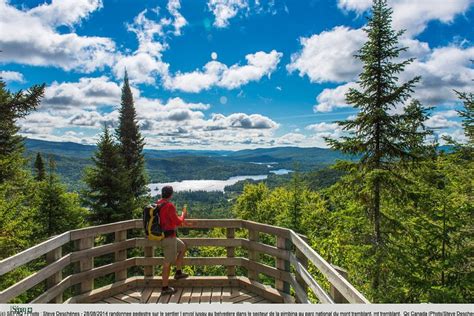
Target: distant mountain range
x,y
174,165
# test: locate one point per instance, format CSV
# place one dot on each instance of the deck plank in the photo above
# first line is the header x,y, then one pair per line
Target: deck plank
x,y
174,299
196,295
226,294
216,295
136,293
126,298
206,295
185,296
146,295
164,299
113,300
155,295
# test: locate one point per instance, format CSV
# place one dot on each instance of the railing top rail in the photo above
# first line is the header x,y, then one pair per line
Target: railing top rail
x,y
15,261
339,282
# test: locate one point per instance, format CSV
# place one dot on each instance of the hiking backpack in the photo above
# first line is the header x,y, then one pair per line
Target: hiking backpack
x,y
151,222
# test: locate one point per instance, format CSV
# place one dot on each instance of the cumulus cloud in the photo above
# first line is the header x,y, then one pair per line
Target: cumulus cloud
x,y
413,15
290,139
65,12
87,93
215,73
31,37
329,56
443,70
12,76
329,99
83,107
241,120
224,10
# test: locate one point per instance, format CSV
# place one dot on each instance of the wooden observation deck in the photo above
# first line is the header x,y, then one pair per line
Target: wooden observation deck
x,y
70,267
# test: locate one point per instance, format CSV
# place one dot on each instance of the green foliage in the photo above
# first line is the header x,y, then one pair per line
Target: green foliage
x,y
467,115
39,168
108,186
202,204
59,210
14,106
131,142
380,137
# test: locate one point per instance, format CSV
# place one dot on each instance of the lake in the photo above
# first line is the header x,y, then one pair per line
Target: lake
x,y
209,185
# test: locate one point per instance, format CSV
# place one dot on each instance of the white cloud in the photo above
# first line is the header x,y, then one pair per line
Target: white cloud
x,y
30,37
87,93
224,10
141,68
179,21
241,120
80,109
290,139
413,15
329,99
65,12
145,64
12,76
218,74
442,120
323,127
443,70
329,56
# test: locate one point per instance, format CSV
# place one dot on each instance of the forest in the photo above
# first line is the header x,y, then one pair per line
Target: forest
x,y
395,209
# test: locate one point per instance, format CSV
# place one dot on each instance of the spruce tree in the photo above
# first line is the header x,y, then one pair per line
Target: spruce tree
x,y
467,116
131,142
14,106
108,186
59,210
39,168
378,135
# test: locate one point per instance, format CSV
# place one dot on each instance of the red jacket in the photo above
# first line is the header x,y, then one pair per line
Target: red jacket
x,y
168,218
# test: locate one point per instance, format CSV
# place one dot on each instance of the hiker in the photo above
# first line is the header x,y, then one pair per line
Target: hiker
x,y
173,247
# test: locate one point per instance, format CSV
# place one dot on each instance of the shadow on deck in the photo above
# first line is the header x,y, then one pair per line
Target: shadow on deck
x,y
290,276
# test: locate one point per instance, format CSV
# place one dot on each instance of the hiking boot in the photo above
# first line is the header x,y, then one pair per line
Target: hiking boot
x,y
181,275
168,290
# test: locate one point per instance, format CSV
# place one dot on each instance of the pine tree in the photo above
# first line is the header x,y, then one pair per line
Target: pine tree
x,y
131,142
39,168
378,136
108,194
14,106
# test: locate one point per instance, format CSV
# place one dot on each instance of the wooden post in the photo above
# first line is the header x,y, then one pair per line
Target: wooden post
x,y
51,257
253,255
281,264
334,293
149,253
86,264
120,255
230,251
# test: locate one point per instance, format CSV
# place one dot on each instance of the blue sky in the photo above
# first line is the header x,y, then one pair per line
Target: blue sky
x,y
221,74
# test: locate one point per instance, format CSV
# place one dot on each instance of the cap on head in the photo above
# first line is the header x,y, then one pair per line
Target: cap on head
x,y
166,192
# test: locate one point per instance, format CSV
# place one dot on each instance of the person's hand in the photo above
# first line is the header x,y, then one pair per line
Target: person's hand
x,y
185,210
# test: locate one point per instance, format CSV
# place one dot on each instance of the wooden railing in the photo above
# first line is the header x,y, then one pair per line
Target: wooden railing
x,y
290,273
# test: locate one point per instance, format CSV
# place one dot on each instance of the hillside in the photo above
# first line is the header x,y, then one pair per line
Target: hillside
x,y
176,165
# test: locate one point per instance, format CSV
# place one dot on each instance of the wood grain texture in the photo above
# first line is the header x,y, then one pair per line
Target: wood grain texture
x,y
341,284
10,263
